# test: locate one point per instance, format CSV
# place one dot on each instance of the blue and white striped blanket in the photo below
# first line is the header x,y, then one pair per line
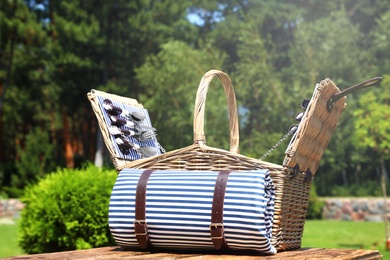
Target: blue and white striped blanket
x,y
178,209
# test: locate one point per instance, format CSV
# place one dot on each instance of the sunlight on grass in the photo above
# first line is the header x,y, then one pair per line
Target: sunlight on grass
x,y
8,238
345,234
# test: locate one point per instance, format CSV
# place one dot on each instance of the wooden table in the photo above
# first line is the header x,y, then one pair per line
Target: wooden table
x,y
116,252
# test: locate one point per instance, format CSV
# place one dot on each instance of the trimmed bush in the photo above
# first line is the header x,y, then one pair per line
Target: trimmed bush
x,y
314,210
67,210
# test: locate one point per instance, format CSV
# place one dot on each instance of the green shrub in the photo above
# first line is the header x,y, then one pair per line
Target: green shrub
x,y
67,210
35,159
370,188
314,210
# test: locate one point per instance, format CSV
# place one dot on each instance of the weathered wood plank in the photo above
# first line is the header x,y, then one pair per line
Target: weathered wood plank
x,y
116,252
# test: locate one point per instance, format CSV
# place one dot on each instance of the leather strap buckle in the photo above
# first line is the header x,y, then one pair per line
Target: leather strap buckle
x,y
140,222
217,228
140,225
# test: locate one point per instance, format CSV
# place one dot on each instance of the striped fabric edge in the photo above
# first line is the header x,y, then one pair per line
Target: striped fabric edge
x,y
178,209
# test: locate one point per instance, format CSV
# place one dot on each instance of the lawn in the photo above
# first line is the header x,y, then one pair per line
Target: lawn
x,y
345,234
8,238
318,233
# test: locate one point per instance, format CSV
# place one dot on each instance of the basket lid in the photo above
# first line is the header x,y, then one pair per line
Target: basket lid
x,y
125,126
315,130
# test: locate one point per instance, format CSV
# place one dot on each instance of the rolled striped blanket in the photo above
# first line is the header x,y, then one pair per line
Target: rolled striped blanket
x,y
193,209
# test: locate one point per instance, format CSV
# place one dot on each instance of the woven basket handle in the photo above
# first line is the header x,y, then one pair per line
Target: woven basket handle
x,y
200,102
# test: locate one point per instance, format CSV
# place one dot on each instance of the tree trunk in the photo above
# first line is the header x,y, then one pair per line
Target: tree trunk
x,y
4,85
99,154
345,179
385,219
99,149
69,156
52,21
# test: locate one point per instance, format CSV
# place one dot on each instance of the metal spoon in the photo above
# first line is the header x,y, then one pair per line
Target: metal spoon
x,y
121,122
136,116
146,151
111,109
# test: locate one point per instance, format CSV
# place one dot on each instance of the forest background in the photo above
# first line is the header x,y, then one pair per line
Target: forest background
x,y
53,52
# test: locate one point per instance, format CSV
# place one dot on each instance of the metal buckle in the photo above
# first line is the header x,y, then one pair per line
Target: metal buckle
x,y
141,222
217,225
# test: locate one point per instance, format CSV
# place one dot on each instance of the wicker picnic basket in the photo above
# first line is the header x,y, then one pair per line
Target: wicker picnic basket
x,y
292,180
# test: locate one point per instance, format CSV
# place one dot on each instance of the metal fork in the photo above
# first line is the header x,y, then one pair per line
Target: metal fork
x,y
140,135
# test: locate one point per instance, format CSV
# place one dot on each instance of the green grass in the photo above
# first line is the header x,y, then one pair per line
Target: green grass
x,y
318,233
345,234
9,239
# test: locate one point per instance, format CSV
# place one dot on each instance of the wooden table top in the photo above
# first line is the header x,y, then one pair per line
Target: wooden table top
x,y
116,252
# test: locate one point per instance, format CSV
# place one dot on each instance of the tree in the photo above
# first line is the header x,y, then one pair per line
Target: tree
x,y
99,44
329,48
372,132
23,72
66,48
372,124
31,168
53,52
381,43
265,111
170,80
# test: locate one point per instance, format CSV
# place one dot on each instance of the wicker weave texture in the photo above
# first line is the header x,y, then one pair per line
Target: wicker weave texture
x,y
315,130
291,193
200,103
291,189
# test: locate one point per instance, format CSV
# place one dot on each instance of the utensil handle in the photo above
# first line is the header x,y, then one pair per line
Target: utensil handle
x,y
200,102
364,84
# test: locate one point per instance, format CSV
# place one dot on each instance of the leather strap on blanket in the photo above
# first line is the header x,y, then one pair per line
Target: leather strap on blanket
x,y
216,226
140,226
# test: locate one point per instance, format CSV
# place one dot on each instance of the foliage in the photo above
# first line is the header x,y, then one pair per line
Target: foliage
x,y
381,36
35,159
174,72
257,87
314,211
67,210
374,108
320,48
54,52
370,188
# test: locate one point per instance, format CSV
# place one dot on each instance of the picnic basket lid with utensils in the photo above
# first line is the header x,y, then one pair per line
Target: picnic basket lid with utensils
x,y
126,127
292,179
